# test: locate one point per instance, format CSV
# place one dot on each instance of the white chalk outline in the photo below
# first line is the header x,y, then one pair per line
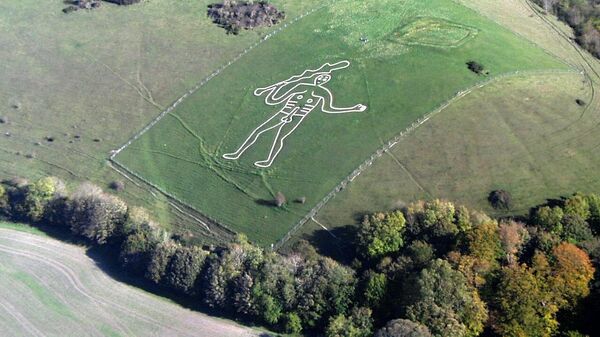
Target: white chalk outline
x,y
299,100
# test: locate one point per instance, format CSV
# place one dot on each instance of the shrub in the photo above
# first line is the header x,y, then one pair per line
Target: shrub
x,y
117,185
476,67
500,199
234,15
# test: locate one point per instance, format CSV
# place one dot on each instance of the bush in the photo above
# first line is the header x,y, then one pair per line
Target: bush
x,y
476,67
500,199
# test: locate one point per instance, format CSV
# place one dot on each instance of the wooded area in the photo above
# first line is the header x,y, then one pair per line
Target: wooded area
x,y
430,269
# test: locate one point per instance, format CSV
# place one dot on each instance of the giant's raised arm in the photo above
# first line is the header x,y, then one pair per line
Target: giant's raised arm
x,y
327,104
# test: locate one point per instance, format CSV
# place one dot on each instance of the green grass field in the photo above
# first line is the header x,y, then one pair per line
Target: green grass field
x,y
525,135
49,288
103,75
401,73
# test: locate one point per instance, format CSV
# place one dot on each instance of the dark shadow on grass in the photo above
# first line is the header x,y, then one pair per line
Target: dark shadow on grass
x,y
337,243
265,202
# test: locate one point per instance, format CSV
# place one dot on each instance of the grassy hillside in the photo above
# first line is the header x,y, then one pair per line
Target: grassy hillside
x,y
405,61
49,288
75,86
525,135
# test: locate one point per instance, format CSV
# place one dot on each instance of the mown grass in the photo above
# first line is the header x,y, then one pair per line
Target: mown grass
x,y
91,79
182,153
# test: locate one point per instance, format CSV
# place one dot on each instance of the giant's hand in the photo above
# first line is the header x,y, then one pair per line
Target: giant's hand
x,y
360,107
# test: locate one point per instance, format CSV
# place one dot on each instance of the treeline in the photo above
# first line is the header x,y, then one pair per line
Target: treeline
x,y
582,15
294,293
430,269
435,269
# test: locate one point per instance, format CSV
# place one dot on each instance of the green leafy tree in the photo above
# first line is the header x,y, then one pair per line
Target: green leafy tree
x,y
375,288
159,259
4,205
293,324
359,324
443,300
576,229
577,205
403,328
549,219
184,267
593,201
381,234
521,304
436,222
324,288
39,194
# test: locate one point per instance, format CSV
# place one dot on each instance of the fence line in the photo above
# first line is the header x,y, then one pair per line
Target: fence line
x,y
394,141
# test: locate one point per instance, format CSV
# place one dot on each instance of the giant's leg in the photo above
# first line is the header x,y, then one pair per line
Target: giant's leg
x,y
269,124
284,131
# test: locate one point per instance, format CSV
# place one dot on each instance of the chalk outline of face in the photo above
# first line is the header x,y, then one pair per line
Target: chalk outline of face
x,y
322,79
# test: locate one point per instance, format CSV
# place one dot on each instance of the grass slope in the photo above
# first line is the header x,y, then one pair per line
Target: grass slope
x,y
526,135
49,288
102,74
399,76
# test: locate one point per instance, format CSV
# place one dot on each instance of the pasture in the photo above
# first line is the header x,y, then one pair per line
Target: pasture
x,y
49,288
525,135
406,58
75,86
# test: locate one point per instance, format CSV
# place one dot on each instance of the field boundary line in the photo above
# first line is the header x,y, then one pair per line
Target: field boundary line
x,y
171,197
394,141
197,86
113,153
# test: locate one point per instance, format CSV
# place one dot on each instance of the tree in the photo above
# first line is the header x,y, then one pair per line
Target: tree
x,y
136,250
95,214
500,199
29,201
359,324
436,222
4,204
184,267
593,201
521,307
572,272
483,243
443,301
293,324
549,219
381,234
512,238
375,288
324,288
577,205
575,229
403,328
159,259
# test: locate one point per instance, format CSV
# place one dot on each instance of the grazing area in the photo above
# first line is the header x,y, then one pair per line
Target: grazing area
x,y
50,288
75,87
227,149
530,136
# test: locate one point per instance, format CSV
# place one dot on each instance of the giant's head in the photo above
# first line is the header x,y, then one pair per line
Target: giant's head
x,y
322,79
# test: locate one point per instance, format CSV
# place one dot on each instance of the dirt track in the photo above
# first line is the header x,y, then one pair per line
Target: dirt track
x,y
49,288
